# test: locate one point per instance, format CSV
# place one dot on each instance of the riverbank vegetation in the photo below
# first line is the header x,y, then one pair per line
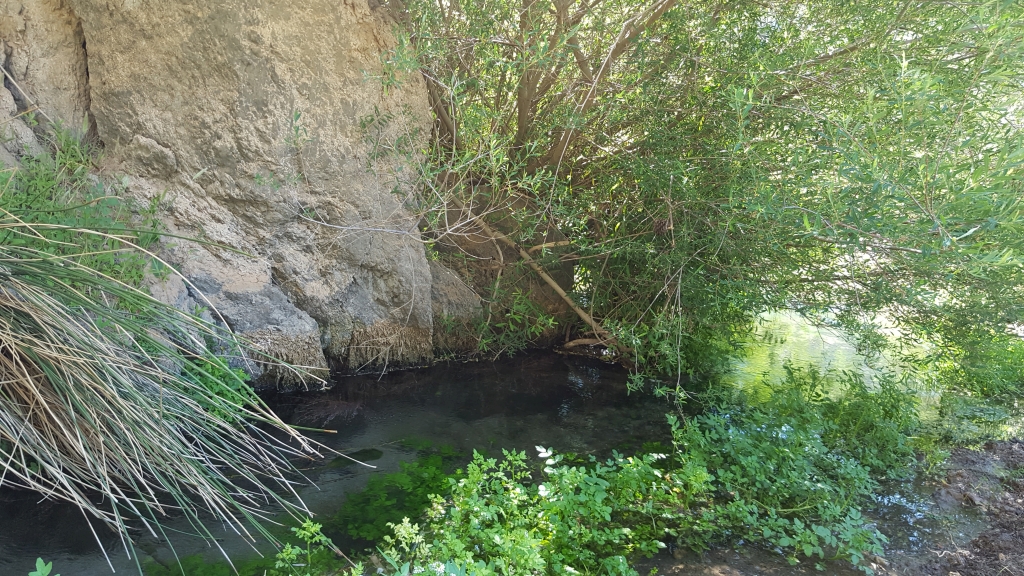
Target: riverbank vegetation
x,y
670,171
699,164
705,162
107,391
795,470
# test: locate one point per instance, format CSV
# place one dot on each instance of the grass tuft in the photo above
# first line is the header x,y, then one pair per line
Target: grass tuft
x,y
94,400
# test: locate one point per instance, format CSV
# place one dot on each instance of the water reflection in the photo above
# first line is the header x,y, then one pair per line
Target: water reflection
x,y
544,399
786,337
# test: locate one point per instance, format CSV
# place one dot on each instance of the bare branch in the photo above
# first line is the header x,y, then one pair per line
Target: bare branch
x,y
631,29
598,330
441,109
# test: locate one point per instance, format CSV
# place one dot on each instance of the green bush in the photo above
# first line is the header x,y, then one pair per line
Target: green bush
x,y
229,386
792,470
985,365
577,519
70,214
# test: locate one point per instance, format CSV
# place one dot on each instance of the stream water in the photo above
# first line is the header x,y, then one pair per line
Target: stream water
x,y
541,399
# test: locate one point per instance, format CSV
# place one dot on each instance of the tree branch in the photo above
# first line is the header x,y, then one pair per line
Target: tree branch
x,y
442,113
631,29
598,330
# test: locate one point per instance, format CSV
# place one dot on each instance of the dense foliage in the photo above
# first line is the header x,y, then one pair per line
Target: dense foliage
x,y
788,466
695,164
708,161
387,498
790,471
793,470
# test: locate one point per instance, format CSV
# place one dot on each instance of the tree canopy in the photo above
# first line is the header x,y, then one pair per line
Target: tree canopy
x,y
708,161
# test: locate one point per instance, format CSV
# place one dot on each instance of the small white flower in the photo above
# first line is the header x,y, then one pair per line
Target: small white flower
x,y
543,490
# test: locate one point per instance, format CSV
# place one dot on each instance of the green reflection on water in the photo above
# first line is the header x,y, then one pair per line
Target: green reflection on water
x,y
786,337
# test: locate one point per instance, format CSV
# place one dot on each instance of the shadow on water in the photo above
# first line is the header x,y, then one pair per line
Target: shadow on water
x,y
570,404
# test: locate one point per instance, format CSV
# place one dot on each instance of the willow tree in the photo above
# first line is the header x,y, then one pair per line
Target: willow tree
x,y
707,161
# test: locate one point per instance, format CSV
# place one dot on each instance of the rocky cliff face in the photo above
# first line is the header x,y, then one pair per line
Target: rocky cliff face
x,y
260,127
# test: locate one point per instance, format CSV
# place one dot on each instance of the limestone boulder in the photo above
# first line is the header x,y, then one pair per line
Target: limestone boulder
x,y
457,308
262,129
43,49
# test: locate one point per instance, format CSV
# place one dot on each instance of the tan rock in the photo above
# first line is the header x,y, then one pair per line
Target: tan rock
x,y
246,118
46,53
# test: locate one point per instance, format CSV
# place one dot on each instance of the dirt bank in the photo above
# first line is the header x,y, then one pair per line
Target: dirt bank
x,y
992,479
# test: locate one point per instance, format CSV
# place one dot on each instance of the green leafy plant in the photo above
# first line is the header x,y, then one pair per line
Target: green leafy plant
x,y
793,469
494,520
42,568
68,214
312,559
514,326
229,386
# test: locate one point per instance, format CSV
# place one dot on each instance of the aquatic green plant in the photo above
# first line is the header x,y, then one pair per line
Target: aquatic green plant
x,y
387,498
42,568
315,557
789,468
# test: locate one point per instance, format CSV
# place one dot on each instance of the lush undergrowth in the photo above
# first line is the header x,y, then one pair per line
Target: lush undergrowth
x,y
65,212
792,471
787,466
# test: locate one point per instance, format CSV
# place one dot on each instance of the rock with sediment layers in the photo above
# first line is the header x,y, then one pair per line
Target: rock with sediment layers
x,y
16,138
261,128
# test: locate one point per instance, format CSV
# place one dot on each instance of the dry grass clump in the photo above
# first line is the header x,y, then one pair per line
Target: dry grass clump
x,y
94,406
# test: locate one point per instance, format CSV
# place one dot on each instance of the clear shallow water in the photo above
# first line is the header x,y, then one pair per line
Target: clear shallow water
x,y
916,524
541,399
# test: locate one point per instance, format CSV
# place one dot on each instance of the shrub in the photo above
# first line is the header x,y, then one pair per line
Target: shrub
x,y
494,520
793,470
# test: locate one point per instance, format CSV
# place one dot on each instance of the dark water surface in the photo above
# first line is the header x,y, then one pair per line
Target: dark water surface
x,y
542,399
